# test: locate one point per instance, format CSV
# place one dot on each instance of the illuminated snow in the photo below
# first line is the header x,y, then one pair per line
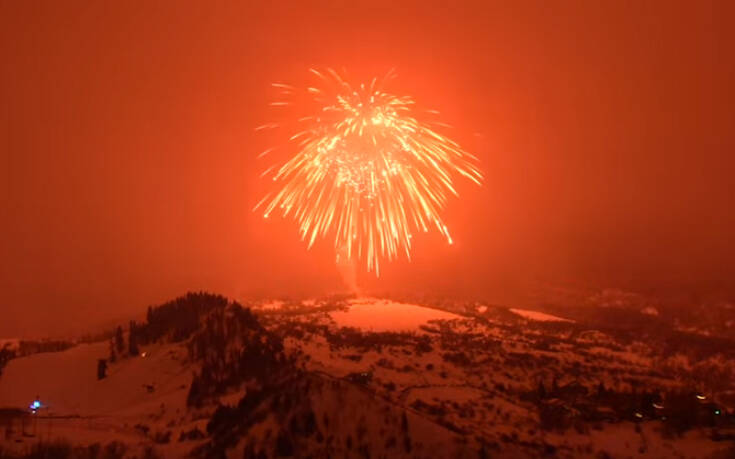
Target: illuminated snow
x,y
383,315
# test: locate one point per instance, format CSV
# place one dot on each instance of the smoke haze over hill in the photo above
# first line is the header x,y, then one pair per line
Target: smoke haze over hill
x,y
128,169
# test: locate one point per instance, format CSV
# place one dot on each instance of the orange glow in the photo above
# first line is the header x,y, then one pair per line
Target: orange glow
x,y
366,171
129,165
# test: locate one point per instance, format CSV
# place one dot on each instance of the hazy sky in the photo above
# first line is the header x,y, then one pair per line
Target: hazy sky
x,y
605,130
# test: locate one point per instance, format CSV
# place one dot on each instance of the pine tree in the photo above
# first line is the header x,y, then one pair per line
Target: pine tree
x,y
133,340
119,340
284,445
483,454
113,354
101,369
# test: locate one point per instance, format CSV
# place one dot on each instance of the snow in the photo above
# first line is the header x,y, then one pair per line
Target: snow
x,y
649,310
480,397
272,305
84,410
539,316
66,382
384,315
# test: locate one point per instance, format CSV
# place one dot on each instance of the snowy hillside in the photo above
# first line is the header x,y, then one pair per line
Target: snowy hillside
x,y
371,377
67,384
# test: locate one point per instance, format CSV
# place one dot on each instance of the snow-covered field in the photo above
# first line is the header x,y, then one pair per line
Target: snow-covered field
x,y
67,382
472,374
384,315
78,407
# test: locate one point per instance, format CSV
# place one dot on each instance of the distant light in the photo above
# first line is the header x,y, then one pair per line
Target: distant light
x,y
638,415
657,406
143,354
717,412
701,397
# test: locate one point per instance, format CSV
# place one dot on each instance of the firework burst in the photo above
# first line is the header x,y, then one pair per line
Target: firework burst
x,y
366,172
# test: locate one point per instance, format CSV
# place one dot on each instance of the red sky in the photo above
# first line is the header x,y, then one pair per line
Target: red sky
x,y
128,169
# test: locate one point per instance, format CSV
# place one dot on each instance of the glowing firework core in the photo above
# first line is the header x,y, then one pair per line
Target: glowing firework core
x,y
366,171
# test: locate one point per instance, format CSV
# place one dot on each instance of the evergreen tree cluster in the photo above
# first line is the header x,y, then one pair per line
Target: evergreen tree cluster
x,y
173,321
178,319
5,355
287,399
117,343
233,348
30,347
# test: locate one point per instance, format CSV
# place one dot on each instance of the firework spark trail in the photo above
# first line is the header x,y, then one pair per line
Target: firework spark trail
x,y
366,171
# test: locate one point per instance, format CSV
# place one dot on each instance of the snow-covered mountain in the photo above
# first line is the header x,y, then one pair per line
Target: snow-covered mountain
x,y
367,377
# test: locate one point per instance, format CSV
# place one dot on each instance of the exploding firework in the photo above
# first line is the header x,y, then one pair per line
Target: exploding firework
x,y
365,171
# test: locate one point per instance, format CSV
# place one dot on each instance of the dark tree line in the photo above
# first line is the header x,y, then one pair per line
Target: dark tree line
x,y
173,321
6,354
233,347
26,348
178,319
228,339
